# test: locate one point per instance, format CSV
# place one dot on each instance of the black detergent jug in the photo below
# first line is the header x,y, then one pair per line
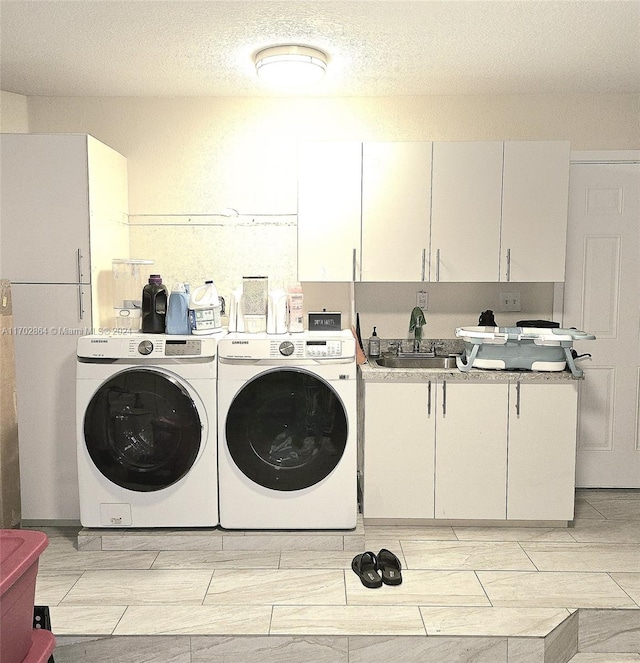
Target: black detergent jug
x,y
154,306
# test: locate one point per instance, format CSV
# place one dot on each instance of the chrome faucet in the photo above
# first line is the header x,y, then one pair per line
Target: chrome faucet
x,y
416,322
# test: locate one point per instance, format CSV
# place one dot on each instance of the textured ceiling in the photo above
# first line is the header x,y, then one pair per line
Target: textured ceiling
x,y
206,48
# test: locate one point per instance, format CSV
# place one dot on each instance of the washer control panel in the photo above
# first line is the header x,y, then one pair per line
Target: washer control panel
x,y
166,347
306,349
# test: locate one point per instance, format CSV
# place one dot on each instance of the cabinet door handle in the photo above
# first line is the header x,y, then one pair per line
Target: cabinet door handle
x,y
437,264
79,264
429,399
508,264
354,266
80,303
444,398
518,398
424,262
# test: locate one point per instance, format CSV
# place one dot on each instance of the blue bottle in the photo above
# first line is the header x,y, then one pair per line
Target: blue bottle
x,y
178,315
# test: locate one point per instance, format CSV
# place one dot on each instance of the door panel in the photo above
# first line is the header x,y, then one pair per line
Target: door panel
x,y
471,450
466,201
286,430
602,295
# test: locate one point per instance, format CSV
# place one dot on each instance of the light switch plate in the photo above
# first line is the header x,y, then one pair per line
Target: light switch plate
x,y
422,299
509,301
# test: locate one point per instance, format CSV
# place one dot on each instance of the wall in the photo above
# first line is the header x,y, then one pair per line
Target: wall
x,y
191,159
14,116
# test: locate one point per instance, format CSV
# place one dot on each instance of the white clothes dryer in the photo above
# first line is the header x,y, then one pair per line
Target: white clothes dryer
x,y
287,439
146,430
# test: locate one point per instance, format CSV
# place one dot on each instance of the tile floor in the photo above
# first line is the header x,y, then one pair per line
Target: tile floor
x,y
458,581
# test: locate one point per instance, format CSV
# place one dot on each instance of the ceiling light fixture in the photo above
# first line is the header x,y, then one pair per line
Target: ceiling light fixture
x,y
291,65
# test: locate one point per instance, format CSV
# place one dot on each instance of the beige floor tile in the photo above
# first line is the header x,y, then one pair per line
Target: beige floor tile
x,y
552,590
607,493
278,542
62,555
189,541
606,531
86,619
234,559
513,622
195,620
420,588
513,534
386,532
584,556
630,582
310,559
277,586
605,658
622,508
139,587
346,620
585,510
465,555
52,587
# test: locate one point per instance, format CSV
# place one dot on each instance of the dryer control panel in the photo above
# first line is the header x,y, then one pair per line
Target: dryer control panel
x,y
284,348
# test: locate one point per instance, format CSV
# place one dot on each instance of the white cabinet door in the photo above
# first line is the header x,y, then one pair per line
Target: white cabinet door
x,y
471,451
396,201
542,451
465,211
45,343
329,211
398,450
534,210
45,208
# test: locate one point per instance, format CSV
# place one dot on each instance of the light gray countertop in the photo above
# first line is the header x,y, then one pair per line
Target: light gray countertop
x,y
373,373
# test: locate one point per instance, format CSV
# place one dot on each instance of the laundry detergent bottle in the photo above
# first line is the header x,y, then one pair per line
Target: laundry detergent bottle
x,y
205,312
178,314
154,306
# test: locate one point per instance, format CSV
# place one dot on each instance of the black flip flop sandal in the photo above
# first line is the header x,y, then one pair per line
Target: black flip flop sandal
x,y
365,566
390,567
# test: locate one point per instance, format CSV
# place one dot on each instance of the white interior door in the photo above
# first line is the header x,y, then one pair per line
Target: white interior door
x,y
602,296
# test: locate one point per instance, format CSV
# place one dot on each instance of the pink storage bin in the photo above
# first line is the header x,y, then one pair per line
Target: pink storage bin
x,y
42,646
19,554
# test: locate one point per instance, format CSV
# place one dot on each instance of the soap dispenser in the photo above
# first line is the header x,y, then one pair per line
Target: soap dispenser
x,y
374,344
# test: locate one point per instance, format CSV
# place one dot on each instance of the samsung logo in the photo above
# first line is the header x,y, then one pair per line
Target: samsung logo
x,y
239,342
99,340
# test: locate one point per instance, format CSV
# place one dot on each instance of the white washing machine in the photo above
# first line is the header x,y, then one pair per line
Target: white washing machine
x,y
287,442
146,430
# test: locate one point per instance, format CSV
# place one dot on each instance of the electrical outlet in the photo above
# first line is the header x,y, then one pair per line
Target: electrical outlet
x,y
422,299
509,301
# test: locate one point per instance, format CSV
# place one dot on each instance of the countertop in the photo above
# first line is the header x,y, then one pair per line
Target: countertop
x,y
372,373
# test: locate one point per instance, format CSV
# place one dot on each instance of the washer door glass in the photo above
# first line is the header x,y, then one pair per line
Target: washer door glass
x,y
286,429
142,430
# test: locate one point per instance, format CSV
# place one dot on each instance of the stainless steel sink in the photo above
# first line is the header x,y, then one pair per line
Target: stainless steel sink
x,y
415,361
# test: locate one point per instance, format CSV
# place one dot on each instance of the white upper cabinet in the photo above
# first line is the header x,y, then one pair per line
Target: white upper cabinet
x,y
446,211
534,210
45,193
329,211
465,211
396,201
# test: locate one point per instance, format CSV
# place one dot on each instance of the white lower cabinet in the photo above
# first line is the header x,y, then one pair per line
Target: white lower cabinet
x,y
542,451
469,451
398,450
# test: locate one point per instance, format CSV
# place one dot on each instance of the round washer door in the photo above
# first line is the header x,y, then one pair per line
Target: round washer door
x,y
142,430
286,429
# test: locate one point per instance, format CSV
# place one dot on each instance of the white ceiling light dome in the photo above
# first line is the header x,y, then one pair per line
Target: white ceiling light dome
x,y
291,65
